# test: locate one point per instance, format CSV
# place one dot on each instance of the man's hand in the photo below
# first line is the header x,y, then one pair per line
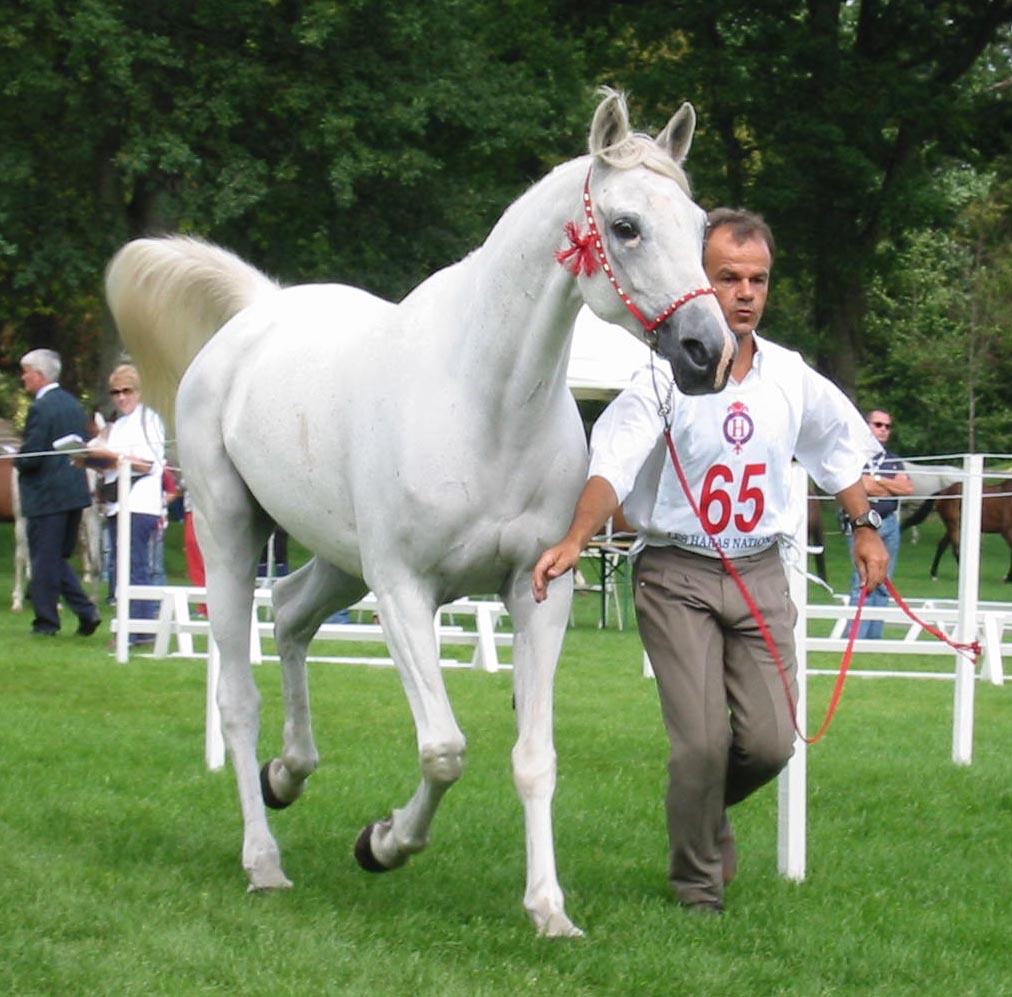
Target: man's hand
x,y
554,562
870,558
596,503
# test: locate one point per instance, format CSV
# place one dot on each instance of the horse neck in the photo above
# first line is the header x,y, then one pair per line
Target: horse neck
x,y
520,303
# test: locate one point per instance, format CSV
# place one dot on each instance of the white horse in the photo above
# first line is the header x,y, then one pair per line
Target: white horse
x,y
928,480
424,450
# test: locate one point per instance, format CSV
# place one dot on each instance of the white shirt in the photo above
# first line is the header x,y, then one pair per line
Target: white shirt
x,y
140,434
736,449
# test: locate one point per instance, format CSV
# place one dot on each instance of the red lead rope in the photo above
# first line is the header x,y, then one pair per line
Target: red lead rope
x,y
834,701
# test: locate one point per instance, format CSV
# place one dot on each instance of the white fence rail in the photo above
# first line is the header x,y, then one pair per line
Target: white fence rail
x,y
964,619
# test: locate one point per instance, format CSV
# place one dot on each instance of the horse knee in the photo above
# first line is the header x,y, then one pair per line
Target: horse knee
x,y
534,772
443,763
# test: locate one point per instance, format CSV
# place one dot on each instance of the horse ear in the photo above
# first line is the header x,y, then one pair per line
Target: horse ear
x,y
611,122
676,139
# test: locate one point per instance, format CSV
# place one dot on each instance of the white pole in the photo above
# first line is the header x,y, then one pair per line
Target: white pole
x,y
969,586
122,560
792,786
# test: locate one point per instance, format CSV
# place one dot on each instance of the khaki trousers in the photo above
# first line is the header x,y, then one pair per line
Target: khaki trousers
x,y
722,697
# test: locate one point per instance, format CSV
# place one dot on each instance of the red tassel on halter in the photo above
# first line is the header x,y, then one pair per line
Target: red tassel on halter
x,y
580,254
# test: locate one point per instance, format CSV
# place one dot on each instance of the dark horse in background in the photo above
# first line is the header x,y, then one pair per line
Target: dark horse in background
x,y
995,517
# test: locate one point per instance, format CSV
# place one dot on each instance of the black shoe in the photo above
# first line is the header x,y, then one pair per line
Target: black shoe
x,y
43,633
88,625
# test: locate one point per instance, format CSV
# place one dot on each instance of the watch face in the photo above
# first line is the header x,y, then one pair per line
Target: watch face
x,y
870,518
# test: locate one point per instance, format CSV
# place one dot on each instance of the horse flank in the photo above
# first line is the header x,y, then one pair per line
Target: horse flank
x,y
164,330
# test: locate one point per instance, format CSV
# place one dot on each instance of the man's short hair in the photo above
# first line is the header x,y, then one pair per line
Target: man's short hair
x,y
46,362
744,225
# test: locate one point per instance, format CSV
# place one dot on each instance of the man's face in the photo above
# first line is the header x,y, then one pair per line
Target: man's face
x,y
740,273
881,425
33,380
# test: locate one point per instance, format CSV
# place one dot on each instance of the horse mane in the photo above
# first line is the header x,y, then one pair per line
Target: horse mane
x,y
168,297
638,149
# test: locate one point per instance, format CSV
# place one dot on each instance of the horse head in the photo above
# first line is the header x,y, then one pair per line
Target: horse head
x,y
640,264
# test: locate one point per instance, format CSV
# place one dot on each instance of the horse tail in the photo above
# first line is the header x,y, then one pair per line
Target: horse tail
x,y
168,297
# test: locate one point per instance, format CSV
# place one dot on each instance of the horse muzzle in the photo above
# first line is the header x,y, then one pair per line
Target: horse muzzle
x,y
699,346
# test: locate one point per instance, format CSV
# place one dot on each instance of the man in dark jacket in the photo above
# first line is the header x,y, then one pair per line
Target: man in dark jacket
x,y
53,493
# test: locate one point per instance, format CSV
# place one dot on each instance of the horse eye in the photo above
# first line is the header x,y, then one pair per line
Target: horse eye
x,y
625,230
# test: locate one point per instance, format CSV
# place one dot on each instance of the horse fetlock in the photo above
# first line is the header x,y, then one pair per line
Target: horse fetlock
x,y
386,848
443,763
279,787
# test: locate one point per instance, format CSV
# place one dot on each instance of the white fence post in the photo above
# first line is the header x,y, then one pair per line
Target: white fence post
x,y
969,583
122,560
792,785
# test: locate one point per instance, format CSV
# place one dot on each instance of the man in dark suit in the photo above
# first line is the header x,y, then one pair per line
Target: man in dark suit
x,y
53,492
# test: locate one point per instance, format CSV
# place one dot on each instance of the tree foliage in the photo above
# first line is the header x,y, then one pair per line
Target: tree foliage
x,y
373,141
369,141
828,116
941,319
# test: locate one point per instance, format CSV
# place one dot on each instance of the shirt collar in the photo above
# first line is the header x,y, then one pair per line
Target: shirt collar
x,y
45,389
757,359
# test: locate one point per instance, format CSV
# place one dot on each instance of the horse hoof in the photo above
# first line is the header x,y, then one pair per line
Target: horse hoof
x,y
557,925
268,883
270,798
363,851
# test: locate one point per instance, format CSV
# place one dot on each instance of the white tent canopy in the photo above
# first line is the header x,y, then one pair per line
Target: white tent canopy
x,y
603,358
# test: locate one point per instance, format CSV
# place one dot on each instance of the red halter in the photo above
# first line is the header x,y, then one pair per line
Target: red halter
x,y
586,253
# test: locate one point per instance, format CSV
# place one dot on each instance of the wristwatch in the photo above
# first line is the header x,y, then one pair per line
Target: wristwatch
x,y
870,518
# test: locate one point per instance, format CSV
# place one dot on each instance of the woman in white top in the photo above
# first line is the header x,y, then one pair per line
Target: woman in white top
x,y
139,435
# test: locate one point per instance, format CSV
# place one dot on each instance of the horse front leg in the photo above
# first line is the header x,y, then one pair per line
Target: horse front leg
x,y
538,634
408,628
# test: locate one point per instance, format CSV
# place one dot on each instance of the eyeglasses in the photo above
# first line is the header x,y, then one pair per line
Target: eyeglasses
x,y
882,425
121,391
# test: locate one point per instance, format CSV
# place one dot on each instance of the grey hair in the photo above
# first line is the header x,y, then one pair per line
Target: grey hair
x,y
744,225
46,362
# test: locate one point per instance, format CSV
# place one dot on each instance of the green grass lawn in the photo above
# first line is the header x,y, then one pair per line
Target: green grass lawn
x,y
122,852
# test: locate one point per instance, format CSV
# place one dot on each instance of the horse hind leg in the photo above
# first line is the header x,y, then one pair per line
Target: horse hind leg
x,y
389,843
302,601
231,537
943,545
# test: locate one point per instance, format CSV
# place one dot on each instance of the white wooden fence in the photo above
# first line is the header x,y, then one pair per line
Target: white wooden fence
x,y
964,619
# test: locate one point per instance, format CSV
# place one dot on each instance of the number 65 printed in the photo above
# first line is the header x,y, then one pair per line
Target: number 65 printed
x,y
718,503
